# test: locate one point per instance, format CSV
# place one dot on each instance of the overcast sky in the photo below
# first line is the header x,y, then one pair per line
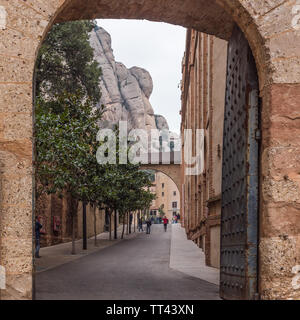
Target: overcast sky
x,y
159,48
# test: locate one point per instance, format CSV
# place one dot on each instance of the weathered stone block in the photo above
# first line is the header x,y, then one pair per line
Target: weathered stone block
x,y
260,8
24,19
275,21
286,70
15,44
20,94
12,164
15,126
285,45
19,287
16,222
16,190
15,69
284,190
278,255
281,220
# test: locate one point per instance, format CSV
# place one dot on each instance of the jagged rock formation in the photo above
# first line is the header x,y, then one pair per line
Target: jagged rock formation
x,y
125,92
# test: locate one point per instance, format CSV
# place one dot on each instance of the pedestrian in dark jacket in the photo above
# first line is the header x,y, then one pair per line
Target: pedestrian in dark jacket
x,y
38,228
140,225
148,223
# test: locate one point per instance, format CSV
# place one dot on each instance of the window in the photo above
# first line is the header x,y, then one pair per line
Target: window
x,y
172,146
174,193
174,204
162,185
162,194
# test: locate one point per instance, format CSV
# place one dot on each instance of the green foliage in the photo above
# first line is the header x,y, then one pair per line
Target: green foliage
x,y
161,211
66,149
66,145
67,82
66,62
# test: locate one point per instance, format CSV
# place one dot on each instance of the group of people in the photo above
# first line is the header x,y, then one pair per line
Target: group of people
x,y
176,218
165,222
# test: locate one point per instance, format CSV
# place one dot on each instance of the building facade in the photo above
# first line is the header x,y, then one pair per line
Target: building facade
x,y
203,93
167,197
55,216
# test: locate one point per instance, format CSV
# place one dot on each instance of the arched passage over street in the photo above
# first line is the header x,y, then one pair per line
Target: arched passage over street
x,y
170,170
273,32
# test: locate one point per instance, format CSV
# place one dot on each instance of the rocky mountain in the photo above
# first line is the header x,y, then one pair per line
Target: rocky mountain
x,y
125,92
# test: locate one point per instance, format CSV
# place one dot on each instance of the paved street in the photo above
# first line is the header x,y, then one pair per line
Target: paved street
x,y
135,268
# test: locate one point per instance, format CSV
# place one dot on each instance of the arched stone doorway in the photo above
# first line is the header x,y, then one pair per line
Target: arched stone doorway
x,y
273,31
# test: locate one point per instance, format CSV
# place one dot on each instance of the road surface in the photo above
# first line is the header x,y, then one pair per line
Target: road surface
x,y
136,268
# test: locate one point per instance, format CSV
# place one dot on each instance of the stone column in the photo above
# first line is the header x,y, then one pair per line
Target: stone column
x,y
280,213
22,25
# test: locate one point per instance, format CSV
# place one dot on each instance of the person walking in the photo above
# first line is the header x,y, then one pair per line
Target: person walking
x,y
165,222
38,228
140,225
148,222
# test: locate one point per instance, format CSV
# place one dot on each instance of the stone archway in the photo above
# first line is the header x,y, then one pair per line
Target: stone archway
x,y
272,29
173,171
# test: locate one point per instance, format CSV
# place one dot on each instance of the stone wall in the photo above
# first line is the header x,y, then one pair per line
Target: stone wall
x,y
91,213
203,92
50,208
272,28
164,189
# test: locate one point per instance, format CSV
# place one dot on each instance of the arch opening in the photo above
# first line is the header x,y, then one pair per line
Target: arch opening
x,y
279,81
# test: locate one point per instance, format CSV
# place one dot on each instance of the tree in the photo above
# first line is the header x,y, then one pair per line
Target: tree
x,y
67,84
67,77
66,147
136,195
66,62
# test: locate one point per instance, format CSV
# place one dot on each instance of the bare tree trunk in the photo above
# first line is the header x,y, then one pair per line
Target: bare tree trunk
x,y
73,207
127,218
95,225
73,251
115,225
109,225
122,237
84,226
134,218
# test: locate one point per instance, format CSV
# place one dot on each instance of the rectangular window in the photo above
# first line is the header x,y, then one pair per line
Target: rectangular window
x,y
162,194
174,193
174,204
162,185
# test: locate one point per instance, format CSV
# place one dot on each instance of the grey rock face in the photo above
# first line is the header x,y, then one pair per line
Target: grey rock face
x,y
161,122
125,92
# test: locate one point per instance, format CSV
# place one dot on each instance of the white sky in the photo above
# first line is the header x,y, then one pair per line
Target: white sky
x,y
157,47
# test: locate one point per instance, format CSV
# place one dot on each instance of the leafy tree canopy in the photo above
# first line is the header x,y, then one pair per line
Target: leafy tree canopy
x,y
66,62
66,145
